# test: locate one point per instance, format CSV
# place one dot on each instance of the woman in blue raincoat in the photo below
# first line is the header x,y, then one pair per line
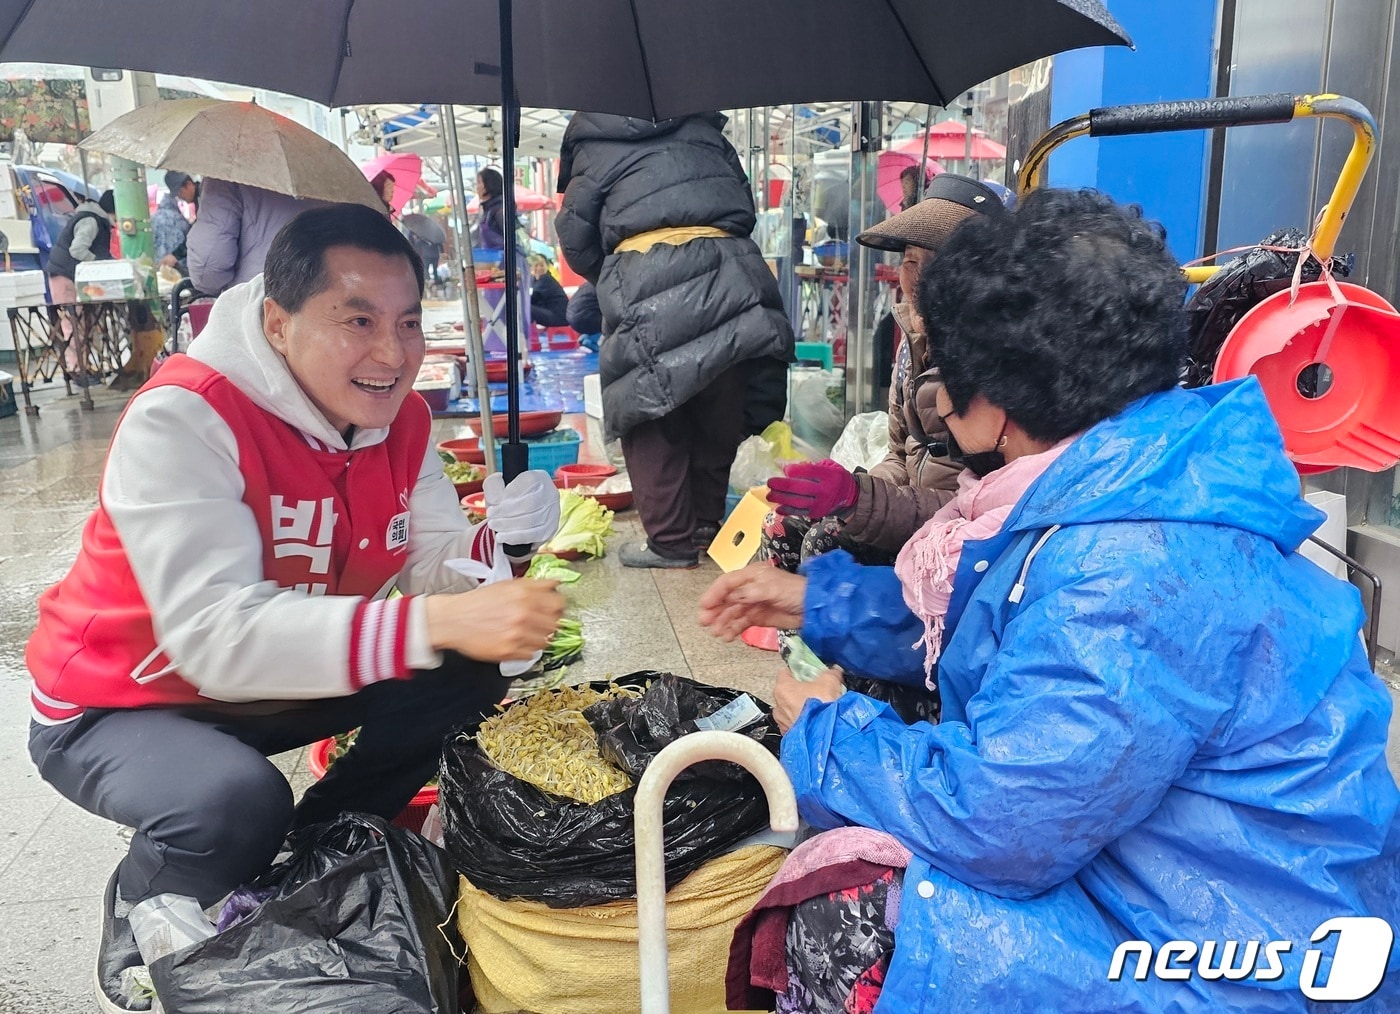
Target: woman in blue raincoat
x,y
1159,721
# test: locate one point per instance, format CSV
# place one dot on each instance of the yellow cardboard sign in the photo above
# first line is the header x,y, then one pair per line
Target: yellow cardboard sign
x,y
738,540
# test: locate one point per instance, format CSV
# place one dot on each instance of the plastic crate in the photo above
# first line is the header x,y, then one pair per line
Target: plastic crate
x,y
550,454
413,814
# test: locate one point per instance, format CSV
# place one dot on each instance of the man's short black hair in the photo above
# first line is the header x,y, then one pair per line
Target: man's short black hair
x,y
1062,313
295,269
108,202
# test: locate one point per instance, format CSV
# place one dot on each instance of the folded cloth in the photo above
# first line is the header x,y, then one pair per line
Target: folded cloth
x,y
835,860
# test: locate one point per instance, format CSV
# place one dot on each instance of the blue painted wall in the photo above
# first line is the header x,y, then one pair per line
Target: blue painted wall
x,y
1174,59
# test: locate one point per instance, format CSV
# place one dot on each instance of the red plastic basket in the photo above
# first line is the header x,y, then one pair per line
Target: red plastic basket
x,y
413,814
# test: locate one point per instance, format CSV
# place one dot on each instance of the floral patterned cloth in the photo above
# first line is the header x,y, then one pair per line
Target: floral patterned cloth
x,y
789,542
838,947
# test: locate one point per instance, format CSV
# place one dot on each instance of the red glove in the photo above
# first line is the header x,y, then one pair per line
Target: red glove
x,y
813,489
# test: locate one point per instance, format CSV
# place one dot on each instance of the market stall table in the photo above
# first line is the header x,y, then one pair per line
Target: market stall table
x,y
43,335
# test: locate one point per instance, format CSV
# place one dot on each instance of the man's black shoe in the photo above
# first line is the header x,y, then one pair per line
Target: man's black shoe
x,y
117,952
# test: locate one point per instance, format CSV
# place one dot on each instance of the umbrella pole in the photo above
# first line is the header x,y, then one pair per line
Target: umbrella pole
x,y
515,456
471,306
923,159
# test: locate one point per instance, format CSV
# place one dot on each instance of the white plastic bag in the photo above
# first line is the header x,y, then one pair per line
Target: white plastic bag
x,y
761,457
816,418
864,442
432,826
754,464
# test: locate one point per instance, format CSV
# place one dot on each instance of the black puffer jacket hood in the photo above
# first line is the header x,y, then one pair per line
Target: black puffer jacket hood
x,y
607,127
622,176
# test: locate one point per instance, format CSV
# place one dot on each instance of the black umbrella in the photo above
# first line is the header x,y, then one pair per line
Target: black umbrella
x,y
647,58
425,229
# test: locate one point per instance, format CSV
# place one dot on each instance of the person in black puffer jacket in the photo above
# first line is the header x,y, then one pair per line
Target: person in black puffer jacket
x,y
658,217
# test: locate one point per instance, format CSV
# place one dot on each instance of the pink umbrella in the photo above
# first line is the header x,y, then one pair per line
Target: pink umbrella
x,y
889,169
407,171
948,141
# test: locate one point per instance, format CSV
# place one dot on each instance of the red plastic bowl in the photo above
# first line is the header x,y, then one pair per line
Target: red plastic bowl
x,y
612,501
583,475
466,449
465,489
532,424
497,372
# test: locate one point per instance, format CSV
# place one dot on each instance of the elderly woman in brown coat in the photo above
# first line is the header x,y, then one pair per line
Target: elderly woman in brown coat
x,y
872,514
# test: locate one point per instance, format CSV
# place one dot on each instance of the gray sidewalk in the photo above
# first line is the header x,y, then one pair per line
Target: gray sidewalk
x,y
54,858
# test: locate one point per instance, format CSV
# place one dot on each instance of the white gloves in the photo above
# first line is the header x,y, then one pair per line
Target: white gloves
x,y
525,513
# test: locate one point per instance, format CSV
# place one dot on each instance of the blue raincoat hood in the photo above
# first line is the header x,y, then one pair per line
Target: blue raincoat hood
x,y
1159,724
1213,455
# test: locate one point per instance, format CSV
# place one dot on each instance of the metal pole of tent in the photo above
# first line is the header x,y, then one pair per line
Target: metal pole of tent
x,y
767,152
923,159
794,243
471,307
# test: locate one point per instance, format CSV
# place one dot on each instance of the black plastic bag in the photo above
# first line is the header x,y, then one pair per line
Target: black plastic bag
x,y
1241,284
516,841
632,731
354,925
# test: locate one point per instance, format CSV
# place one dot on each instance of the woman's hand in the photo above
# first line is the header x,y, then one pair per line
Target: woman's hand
x,y
760,595
497,622
790,694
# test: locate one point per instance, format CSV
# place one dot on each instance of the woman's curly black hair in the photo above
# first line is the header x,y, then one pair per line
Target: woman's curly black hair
x,y
1061,313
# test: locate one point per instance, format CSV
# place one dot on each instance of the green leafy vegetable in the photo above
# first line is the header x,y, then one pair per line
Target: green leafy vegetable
x,y
584,526
547,567
565,645
462,471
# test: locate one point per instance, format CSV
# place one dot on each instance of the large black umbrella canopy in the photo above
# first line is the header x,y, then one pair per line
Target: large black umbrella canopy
x,y
649,58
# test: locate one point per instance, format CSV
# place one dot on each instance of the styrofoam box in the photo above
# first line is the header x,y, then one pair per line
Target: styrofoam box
x,y
593,395
102,280
1332,531
21,288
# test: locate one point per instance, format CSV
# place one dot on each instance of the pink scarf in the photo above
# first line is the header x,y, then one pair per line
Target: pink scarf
x,y
928,561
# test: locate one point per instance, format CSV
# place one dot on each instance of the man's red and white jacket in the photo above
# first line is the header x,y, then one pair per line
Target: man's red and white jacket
x,y
241,551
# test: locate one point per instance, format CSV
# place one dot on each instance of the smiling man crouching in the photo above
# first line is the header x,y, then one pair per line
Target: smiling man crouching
x,y
261,497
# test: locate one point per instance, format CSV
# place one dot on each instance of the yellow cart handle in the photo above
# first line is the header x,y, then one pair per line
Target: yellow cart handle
x,y
1232,111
